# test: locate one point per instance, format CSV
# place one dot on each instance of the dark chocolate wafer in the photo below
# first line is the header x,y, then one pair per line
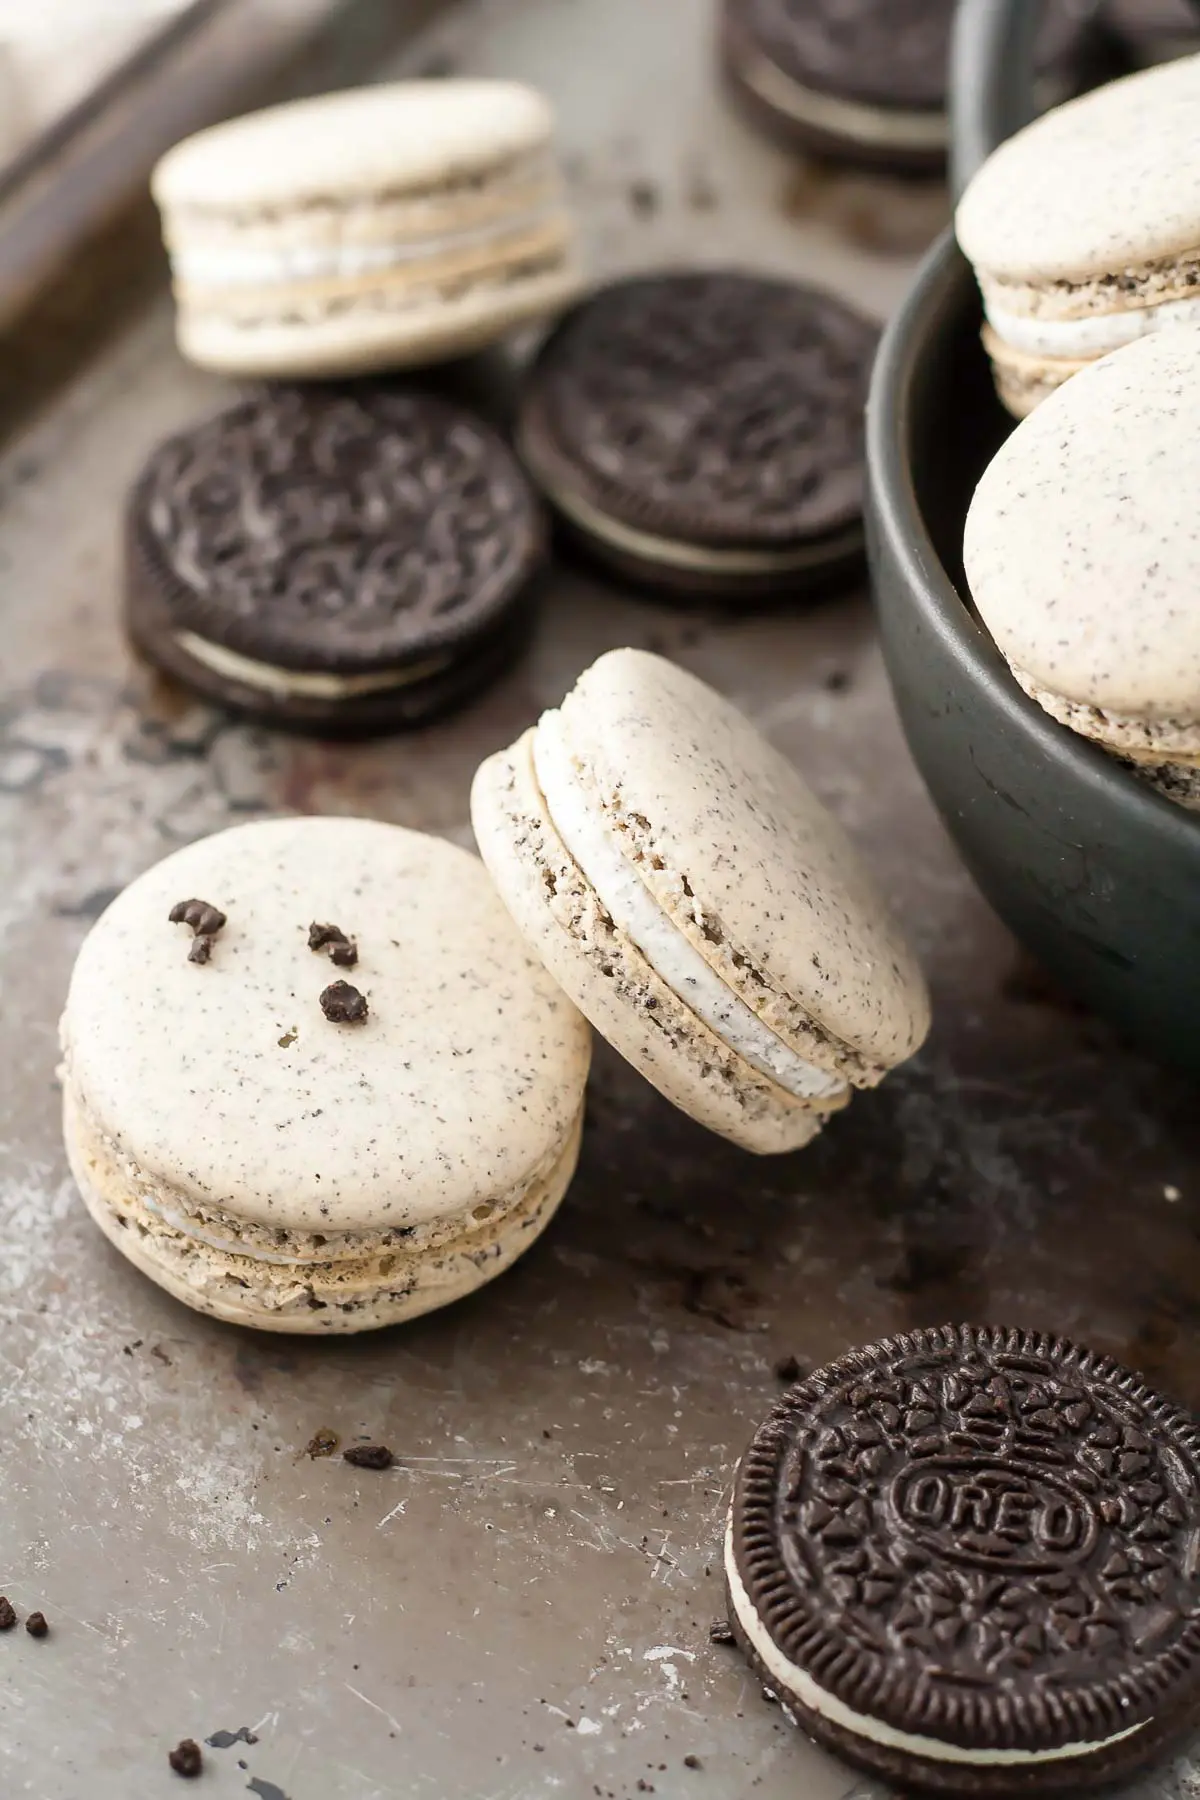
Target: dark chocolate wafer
x,y
334,560
865,81
966,1559
703,432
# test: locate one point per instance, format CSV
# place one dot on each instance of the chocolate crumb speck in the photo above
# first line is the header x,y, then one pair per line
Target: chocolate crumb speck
x,y
692,1762
322,1443
342,950
720,1633
205,920
369,1456
343,1004
789,1369
186,1758
8,1616
36,1625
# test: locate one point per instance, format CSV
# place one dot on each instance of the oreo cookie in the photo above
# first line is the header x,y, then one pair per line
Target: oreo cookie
x,y
702,433
341,561
966,1560
865,81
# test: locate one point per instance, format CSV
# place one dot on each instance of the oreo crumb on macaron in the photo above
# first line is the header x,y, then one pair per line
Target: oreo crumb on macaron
x,y
342,561
36,1625
702,433
964,1559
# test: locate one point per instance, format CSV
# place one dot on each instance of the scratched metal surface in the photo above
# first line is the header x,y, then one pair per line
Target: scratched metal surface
x,y
520,1608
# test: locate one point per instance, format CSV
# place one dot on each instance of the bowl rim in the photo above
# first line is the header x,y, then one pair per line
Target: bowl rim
x,y
898,524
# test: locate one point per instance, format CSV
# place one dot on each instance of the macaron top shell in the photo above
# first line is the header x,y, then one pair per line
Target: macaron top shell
x,y
1105,183
227,1081
740,853
396,138
1082,543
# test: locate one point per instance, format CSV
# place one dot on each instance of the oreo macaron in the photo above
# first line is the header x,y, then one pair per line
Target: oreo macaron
x,y
313,1079
339,561
699,905
1082,555
864,81
702,433
1068,272
965,1560
382,228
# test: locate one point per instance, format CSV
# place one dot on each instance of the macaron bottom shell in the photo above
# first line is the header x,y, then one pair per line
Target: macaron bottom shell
x,y
372,331
373,1288
611,981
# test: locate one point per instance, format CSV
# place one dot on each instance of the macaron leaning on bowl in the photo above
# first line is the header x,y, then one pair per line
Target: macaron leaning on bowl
x,y
379,228
1084,230
696,901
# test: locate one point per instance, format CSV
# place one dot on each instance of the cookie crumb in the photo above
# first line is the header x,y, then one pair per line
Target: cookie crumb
x,y
836,681
186,1758
369,1456
36,1625
343,1004
342,950
720,1633
8,1615
789,1369
205,920
692,1762
322,1443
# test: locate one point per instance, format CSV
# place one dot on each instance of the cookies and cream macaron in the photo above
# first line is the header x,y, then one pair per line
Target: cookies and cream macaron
x,y
1084,230
377,228
313,1079
693,897
1082,554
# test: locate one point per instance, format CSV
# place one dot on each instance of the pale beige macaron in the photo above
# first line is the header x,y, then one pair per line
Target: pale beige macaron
x,y
1082,552
1084,230
694,898
378,228
325,1135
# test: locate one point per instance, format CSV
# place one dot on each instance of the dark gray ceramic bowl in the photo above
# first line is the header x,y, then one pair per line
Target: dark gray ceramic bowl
x,y
1095,873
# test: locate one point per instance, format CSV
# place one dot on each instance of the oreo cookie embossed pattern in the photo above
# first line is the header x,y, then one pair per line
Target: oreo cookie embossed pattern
x,y
967,1558
704,432
342,561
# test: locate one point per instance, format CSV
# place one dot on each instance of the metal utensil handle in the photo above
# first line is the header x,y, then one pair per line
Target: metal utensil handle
x,y
991,79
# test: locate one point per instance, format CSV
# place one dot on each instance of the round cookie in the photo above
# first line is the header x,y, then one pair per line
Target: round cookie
x,y
337,561
1067,275
697,902
964,1559
381,228
313,1080
1082,556
703,433
864,81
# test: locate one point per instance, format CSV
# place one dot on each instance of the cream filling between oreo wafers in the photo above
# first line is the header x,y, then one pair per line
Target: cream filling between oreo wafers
x,y
674,553
1093,336
631,906
303,684
794,1683
233,265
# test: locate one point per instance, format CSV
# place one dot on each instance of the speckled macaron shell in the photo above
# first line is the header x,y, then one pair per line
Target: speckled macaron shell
x,y
1082,550
225,1086
745,860
607,976
383,227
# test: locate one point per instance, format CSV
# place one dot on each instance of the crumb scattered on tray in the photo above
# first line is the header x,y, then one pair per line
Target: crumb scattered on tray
x,y
36,1625
186,1758
322,1443
8,1615
369,1456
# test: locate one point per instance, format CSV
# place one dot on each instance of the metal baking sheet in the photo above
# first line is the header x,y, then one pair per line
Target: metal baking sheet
x,y
520,1608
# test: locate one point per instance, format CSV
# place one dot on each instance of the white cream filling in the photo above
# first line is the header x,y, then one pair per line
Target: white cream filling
x,y
794,1683
881,127
258,265
671,553
1094,336
302,684
633,908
